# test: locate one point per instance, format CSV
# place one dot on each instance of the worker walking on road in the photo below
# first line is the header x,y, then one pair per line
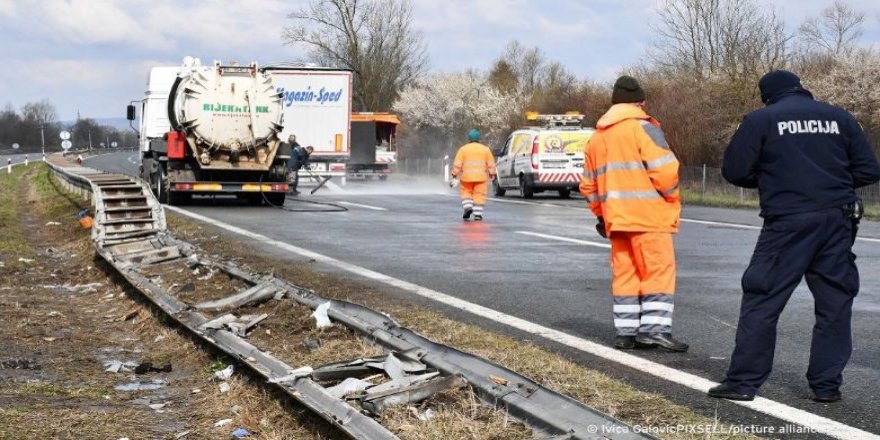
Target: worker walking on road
x,y
474,166
806,158
631,183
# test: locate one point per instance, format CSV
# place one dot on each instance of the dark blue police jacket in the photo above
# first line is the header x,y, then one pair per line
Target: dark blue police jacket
x,y
801,154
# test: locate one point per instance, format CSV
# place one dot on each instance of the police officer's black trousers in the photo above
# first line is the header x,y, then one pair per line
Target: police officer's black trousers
x,y
817,245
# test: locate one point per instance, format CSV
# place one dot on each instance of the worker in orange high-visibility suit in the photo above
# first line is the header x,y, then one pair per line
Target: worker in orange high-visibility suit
x,y
631,183
474,166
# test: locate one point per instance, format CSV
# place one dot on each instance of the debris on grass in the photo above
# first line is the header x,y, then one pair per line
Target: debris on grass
x,y
322,319
225,373
154,384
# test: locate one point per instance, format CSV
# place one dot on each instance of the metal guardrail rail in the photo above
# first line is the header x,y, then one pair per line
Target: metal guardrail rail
x,y
130,233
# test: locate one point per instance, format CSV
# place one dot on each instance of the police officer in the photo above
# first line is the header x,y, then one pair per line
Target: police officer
x,y
806,158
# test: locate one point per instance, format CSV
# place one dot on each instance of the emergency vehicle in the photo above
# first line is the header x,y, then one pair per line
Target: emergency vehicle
x,y
548,155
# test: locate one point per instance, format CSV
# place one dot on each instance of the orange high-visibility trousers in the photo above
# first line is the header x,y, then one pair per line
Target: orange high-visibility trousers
x,y
473,195
643,282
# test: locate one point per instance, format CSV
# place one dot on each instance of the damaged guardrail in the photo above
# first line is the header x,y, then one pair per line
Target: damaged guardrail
x,y
130,234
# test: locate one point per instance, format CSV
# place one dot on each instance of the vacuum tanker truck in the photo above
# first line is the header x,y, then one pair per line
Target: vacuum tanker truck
x,y
212,129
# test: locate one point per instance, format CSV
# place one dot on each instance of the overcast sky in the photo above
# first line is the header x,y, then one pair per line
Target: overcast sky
x,y
92,56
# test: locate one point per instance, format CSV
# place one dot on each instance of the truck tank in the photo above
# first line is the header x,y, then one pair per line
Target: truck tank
x,y
230,116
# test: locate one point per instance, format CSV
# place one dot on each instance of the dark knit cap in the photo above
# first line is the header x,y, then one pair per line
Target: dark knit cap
x,y
776,82
627,89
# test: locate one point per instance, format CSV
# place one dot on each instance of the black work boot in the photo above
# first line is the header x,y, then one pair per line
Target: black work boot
x,y
662,340
467,213
625,342
725,392
827,397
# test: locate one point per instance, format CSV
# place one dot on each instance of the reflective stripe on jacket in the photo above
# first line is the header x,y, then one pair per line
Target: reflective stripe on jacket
x,y
630,174
474,163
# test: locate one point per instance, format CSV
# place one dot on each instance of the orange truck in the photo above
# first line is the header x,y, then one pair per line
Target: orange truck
x,y
373,145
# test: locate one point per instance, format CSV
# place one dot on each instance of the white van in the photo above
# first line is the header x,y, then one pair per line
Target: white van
x,y
548,157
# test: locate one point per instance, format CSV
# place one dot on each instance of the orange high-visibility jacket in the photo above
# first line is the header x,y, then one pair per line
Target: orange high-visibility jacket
x,y
630,174
474,162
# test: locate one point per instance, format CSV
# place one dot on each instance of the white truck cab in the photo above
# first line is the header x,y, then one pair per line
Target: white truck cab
x,y
548,156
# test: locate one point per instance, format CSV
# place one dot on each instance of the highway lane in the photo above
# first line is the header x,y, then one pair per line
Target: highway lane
x,y
19,158
416,234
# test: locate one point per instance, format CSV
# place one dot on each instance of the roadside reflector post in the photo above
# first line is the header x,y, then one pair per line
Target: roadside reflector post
x,y
9,165
703,186
25,160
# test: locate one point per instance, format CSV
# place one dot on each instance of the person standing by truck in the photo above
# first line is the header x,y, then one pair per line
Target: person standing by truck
x,y
296,161
630,181
474,166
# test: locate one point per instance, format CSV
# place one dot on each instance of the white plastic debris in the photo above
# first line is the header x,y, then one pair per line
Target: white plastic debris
x,y
322,319
224,387
53,224
25,260
348,386
181,434
225,373
235,409
427,415
157,406
222,423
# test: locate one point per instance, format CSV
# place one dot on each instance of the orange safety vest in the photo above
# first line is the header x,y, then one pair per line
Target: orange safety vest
x,y
630,174
474,162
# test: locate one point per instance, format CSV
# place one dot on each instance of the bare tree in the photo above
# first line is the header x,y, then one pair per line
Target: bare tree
x,y
373,38
527,65
836,31
711,38
42,112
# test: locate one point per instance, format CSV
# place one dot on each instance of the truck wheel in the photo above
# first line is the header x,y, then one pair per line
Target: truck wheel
x,y
499,191
565,193
525,189
160,185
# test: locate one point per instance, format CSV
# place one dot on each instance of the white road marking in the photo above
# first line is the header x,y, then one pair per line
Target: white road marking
x,y
779,410
565,239
374,208
683,220
725,224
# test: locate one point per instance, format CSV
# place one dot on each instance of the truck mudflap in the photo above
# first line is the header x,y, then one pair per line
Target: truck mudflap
x,y
229,187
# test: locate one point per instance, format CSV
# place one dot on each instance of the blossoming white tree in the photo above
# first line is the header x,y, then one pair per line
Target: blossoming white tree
x,y
453,103
852,84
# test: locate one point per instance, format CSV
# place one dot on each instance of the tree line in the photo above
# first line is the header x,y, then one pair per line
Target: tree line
x,y
37,122
700,74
